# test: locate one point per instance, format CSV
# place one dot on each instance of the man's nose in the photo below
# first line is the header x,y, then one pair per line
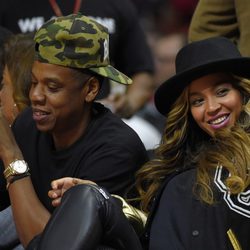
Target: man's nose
x,y
37,93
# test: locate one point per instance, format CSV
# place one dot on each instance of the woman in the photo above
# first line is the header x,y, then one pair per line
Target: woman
x,y
201,167
202,164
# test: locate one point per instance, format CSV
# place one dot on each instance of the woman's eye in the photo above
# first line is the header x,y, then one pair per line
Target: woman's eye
x,y
222,92
196,102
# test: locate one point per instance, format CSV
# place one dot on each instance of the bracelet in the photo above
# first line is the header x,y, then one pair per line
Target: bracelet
x,y
17,177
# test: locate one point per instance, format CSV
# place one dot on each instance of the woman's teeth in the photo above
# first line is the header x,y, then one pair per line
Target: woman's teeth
x,y
218,120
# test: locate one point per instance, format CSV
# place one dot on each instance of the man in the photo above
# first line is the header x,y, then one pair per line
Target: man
x,y
129,51
65,133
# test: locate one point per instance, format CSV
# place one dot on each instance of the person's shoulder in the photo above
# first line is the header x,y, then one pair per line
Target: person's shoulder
x,y
121,4
111,6
174,189
184,176
124,8
108,121
178,183
182,181
112,129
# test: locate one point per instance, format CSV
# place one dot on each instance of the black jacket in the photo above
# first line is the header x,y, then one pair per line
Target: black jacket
x,y
181,221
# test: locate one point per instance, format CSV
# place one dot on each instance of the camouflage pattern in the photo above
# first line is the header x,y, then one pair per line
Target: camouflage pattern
x,y
79,42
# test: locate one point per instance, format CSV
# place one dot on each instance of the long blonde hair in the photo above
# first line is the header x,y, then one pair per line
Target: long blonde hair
x,y
183,142
230,149
168,154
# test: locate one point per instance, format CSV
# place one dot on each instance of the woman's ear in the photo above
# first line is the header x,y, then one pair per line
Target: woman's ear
x,y
91,89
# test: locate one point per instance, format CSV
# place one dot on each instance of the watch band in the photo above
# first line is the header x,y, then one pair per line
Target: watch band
x,y
8,172
17,177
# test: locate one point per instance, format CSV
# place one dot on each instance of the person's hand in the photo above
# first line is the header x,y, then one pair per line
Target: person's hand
x,y
120,104
9,149
60,186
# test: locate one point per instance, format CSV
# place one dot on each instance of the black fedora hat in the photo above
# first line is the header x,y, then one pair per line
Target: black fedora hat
x,y
197,59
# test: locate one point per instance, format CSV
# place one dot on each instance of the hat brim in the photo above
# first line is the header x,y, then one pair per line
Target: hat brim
x,y
112,73
170,90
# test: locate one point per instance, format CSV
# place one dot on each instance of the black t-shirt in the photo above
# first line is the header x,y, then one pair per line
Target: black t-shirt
x,y
129,51
109,153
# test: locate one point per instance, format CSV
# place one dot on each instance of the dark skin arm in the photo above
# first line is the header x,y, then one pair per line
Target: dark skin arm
x,y
29,214
135,97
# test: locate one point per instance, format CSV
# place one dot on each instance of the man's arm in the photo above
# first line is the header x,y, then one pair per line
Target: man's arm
x,y
29,214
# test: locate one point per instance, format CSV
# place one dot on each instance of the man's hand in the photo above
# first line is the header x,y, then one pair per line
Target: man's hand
x,y
60,186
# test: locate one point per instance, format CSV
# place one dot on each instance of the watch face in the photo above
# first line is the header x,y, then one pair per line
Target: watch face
x,y
20,166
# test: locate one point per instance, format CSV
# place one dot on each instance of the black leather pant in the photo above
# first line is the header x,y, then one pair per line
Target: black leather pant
x,y
88,218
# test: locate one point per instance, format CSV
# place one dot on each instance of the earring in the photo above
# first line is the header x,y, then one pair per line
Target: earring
x,y
14,112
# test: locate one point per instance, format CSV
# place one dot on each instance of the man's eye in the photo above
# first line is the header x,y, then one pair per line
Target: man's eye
x,y
53,87
33,82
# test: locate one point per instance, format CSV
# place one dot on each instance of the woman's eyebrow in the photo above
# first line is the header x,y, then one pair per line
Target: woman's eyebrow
x,y
193,94
214,85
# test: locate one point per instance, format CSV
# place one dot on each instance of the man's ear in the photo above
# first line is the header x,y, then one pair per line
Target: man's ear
x,y
91,89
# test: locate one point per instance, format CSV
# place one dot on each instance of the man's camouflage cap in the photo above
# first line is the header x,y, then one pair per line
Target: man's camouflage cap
x,y
77,41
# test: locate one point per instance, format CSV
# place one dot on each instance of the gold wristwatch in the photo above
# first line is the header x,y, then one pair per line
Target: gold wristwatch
x,y
16,167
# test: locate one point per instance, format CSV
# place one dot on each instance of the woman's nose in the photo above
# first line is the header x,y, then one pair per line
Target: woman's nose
x,y
212,105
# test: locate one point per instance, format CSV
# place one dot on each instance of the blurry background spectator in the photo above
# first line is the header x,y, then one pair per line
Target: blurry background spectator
x,y
165,16
228,18
164,50
148,122
129,51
